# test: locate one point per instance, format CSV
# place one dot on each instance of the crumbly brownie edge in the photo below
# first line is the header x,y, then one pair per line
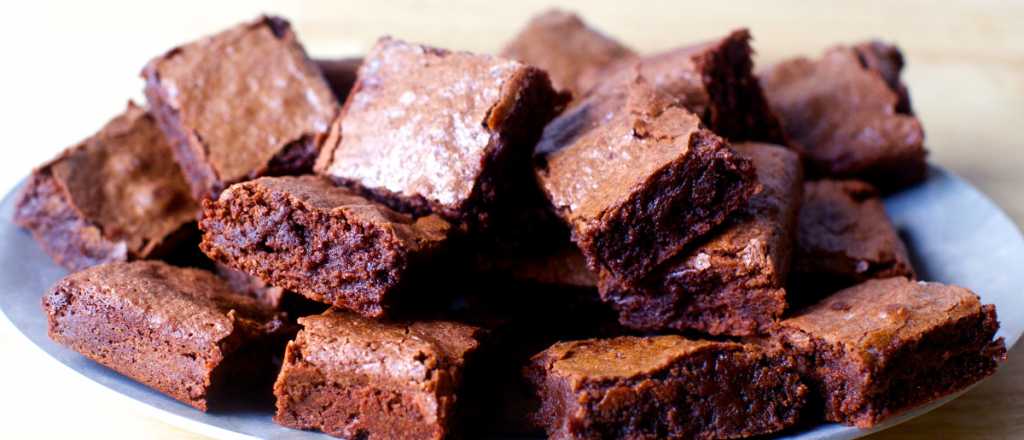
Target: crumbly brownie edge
x,y
677,204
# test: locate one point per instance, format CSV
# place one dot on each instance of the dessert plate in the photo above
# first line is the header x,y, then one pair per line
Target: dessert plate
x,y
955,234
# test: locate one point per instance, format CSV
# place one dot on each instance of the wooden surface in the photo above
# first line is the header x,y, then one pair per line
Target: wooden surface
x,y
70,66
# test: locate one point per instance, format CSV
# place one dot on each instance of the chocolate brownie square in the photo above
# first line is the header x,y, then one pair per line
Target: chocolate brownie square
x,y
638,177
884,346
733,282
113,197
340,74
240,104
354,377
432,131
664,387
572,53
714,80
325,242
849,114
844,238
180,331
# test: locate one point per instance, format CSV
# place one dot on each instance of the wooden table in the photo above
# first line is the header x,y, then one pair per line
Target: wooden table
x,y
70,66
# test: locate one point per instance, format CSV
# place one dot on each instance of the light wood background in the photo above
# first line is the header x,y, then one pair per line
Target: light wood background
x,y
69,66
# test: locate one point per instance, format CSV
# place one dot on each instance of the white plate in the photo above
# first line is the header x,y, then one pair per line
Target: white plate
x,y
955,234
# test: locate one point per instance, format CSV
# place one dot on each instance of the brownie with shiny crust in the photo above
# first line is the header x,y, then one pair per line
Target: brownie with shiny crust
x,y
733,282
637,177
885,346
850,115
713,79
572,53
353,377
113,197
243,103
844,237
340,74
427,130
177,330
325,242
664,387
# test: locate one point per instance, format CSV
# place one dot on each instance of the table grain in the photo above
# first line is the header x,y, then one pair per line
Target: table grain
x,y
70,66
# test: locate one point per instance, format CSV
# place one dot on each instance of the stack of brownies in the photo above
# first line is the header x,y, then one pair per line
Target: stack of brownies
x,y
569,237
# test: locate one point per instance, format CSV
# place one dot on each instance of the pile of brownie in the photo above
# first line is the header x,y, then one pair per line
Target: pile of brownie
x,y
569,237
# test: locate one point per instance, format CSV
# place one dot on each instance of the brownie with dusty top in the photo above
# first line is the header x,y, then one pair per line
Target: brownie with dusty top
x,y
844,237
664,387
885,346
850,115
180,331
572,53
733,282
340,74
113,197
713,79
325,242
637,177
243,103
353,377
426,130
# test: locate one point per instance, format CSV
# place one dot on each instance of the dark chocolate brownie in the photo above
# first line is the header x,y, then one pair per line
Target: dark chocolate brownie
x,y
638,177
113,197
713,79
240,104
850,115
664,387
572,53
844,237
359,378
733,282
882,347
325,242
432,131
173,329
252,286
340,74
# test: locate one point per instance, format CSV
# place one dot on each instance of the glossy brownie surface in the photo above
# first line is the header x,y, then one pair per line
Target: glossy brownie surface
x,y
226,130
359,378
849,114
326,242
732,282
113,197
885,346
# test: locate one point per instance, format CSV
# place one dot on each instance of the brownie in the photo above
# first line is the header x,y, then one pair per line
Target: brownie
x,y
664,387
884,346
340,74
325,242
572,53
733,282
176,330
354,377
432,131
713,79
561,266
850,115
251,286
844,238
112,197
638,177
240,104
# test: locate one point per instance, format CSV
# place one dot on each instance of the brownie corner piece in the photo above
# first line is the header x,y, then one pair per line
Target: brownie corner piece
x,y
325,242
176,330
354,377
112,197
860,87
884,346
637,178
277,118
664,387
428,130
